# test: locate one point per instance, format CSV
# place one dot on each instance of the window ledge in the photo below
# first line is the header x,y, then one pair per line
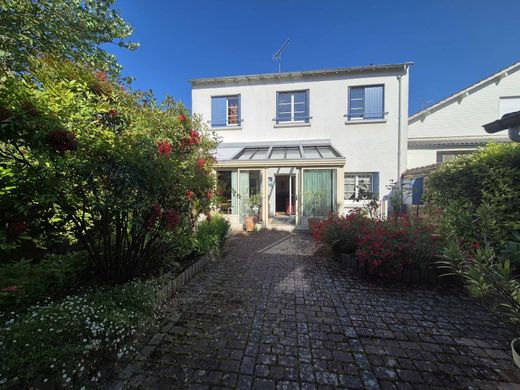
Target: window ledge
x,y
220,128
292,124
365,121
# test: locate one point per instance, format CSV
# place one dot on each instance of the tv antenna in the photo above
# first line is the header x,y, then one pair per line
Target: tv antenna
x,y
278,55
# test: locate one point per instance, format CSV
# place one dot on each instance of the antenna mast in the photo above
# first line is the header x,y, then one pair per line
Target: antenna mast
x,y
278,55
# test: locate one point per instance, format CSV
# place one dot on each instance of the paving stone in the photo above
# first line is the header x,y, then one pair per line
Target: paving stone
x,y
276,314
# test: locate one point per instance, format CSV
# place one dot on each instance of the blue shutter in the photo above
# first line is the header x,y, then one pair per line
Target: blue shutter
x,y
277,106
374,102
239,110
218,111
417,190
307,106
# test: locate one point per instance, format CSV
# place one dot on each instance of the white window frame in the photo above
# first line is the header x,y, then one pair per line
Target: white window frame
x,y
356,185
291,104
228,123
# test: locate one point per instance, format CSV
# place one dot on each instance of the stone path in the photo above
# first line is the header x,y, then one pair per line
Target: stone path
x,y
271,315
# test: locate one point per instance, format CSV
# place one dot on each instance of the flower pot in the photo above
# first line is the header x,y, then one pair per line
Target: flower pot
x,y
250,222
515,349
313,223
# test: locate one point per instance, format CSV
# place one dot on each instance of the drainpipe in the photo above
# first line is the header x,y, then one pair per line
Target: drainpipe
x,y
399,134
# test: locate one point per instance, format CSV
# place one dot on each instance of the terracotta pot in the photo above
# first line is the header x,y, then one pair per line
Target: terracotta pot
x,y
515,349
250,223
313,223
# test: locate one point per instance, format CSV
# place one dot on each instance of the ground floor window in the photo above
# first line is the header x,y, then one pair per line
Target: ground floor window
x,y
360,186
227,191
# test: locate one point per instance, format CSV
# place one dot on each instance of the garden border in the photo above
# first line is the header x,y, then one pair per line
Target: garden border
x,y
409,274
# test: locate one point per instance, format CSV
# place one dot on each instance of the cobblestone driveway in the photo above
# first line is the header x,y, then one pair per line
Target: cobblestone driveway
x,y
271,315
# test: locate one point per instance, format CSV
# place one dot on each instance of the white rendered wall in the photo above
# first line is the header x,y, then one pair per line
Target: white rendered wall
x,y
462,117
367,147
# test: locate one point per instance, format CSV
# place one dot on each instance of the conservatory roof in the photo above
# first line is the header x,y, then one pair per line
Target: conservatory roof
x,y
289,152
277,153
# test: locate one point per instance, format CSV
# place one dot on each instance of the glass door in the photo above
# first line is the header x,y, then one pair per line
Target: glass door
x,y
250,194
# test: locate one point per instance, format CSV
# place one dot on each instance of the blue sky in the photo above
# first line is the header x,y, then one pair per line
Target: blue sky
x,y
453,43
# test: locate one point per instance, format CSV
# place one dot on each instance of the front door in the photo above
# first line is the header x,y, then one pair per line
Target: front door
x,y
283,200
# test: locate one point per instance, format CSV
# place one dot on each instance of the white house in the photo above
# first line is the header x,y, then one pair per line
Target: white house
x,y
453,126
306,142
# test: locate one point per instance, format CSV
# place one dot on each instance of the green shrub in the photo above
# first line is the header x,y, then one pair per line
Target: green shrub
x,y
62,344
88,162
25,282
212,233
489,177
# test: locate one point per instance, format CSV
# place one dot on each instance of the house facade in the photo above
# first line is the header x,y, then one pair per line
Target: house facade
x,y
453,126
297,145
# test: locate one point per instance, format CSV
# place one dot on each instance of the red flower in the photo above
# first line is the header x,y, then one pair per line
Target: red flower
x,y
209,194
102,76
112,113
172,218
189,194
194,138
475,245
201,163
62,140
155,213
182,118
10,289
164,148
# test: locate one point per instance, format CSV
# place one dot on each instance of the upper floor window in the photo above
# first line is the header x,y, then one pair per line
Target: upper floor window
x,y
292,106
448,155
359,186
225,111
365,103
508,104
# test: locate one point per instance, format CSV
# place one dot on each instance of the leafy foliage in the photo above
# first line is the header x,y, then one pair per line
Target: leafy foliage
x,y
61,344
86,161
489,177
64,29
341,234
211,233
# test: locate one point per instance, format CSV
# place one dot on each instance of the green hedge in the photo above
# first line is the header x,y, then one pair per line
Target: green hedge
x,y
489,177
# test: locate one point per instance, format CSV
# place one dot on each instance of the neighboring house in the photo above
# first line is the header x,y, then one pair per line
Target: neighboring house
x,y
453,126
307,142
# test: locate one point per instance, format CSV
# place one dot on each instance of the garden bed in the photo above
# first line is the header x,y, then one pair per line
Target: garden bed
x,y
409,274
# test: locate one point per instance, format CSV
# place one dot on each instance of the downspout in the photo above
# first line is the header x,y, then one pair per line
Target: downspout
x,y
399,134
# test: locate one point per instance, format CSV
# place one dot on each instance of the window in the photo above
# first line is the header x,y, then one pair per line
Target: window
x,y
225,111
360,186
508,104
451,154
365,103
292,106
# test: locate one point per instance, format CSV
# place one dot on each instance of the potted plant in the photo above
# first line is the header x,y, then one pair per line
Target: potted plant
x,y
313,205
254,203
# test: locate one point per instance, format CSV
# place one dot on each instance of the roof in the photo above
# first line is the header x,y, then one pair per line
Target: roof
x,y
302,74
462,141
290,152
463,92
507,121
421,171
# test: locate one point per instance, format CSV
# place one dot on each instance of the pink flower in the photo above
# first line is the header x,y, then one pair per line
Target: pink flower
x,y
209,195
10,289
201,163
189,194
155,213
182,118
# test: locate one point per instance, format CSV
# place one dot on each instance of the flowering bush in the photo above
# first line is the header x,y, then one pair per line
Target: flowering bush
x,y
61,344
90,164
388,246
341,234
